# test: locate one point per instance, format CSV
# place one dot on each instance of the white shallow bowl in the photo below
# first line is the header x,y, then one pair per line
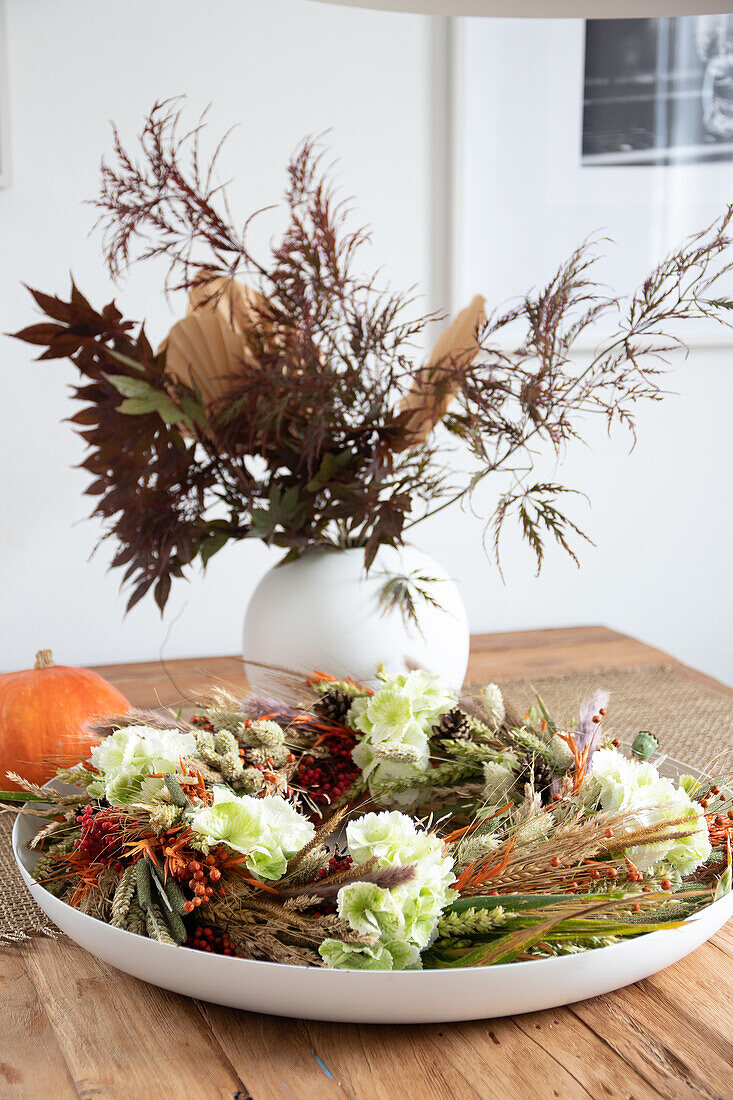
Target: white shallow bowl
x,y
375,997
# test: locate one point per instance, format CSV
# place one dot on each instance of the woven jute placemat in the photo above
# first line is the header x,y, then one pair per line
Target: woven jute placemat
x,y
20,917
693,723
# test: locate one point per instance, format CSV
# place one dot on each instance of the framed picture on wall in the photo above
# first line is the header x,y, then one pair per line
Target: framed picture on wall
x,y
4,107
619,131
658,91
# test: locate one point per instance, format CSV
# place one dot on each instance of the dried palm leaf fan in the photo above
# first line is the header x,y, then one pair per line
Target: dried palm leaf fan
x,y
243,308
201,350
212,346
454,351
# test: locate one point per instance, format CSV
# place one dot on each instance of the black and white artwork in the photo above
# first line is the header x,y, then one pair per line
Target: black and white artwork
x,y
658,91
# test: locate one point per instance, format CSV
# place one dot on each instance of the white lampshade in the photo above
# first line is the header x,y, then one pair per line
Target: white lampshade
x,y
543,9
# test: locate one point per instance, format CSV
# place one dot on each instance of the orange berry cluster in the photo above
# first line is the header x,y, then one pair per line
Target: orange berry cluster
x,y
202,877
203,722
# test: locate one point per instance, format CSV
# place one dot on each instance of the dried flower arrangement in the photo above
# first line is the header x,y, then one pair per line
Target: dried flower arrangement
x,y
292,407
380,829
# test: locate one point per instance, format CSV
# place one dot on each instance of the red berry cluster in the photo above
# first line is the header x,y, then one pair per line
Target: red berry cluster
x,y
327,779
100,833
209,939
336,864
202,878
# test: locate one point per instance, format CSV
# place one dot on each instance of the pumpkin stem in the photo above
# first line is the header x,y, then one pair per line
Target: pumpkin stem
x,y
44,659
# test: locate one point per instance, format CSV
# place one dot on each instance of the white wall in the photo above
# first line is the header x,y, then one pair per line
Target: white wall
x,y
281,70
661,517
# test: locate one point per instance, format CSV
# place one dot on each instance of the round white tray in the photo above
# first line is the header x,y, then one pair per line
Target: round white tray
x,y
379,997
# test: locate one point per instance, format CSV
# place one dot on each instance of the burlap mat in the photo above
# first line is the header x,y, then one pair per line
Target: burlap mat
x,y
692,722
20,917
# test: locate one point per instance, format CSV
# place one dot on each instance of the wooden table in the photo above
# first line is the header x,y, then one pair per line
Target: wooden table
x,y
72,1026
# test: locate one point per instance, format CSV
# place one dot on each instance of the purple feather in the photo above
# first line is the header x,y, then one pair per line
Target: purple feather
x,y
257,706
588,731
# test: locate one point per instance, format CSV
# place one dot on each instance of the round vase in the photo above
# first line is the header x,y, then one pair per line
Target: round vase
x,y
324,611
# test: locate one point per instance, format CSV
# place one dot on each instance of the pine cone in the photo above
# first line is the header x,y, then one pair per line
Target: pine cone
x,y
334,706
453,726
535,769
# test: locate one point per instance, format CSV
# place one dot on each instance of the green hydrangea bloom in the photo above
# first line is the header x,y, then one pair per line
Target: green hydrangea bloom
x,y
393,839
405,956
405,917
688,853
422,905
356,956
389,710
690,784
370,909
266,830
400,715
419,696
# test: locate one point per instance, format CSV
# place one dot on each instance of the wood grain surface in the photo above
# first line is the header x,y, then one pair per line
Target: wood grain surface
x,y
71,1026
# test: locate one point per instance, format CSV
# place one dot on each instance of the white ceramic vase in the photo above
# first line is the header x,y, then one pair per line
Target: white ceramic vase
x,y
325,612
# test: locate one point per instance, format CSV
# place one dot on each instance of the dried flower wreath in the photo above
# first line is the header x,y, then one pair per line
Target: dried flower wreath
x,y
492,838
291,407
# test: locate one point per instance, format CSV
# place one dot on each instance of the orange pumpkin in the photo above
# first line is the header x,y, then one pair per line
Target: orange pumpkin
x,y
45,714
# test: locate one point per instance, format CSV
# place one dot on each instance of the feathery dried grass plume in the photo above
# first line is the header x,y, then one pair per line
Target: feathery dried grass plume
x,y
493,707
140,717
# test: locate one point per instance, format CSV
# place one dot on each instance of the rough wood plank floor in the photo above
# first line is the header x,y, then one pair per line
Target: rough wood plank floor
x,y
73,1026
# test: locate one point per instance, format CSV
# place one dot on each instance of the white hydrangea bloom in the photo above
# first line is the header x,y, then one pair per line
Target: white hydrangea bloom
x,y
384,836
129,755
615,774
651,799
291,828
